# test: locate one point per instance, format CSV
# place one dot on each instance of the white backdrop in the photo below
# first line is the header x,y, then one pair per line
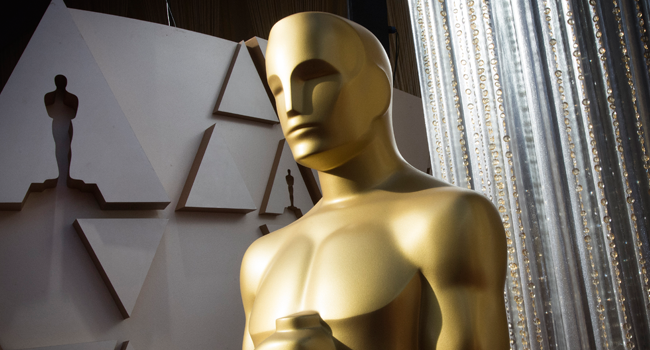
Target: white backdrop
x,y
166,81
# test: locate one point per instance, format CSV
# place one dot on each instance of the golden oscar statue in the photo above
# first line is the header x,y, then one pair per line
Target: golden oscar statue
x,y
390,258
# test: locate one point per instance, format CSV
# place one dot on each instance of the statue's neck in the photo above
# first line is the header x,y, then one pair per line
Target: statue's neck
x,y
378,162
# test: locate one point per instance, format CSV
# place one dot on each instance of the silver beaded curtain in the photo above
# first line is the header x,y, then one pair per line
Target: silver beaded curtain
x,y
543,107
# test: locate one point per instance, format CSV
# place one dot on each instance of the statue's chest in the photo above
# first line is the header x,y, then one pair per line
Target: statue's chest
x,y
346,271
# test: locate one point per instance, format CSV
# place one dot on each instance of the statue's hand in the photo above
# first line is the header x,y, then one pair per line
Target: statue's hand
x,y
304,330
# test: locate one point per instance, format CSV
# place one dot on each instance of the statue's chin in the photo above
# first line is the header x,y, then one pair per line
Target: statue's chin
x,y
317,163
331,158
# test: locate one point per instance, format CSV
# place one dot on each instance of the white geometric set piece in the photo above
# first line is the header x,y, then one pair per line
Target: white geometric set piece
x,y
214,183
106,157
100,345
285,170
122,250
243,94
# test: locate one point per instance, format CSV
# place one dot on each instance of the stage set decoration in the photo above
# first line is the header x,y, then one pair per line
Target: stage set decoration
x,y
138,163
543,107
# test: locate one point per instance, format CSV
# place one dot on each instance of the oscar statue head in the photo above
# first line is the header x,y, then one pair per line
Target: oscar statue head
x,y
332,84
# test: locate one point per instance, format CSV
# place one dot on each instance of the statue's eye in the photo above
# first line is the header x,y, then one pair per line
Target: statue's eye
x,y
275,85
313,69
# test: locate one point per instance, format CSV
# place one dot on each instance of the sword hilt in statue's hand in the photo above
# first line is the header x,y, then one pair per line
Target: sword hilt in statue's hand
x,y
304,330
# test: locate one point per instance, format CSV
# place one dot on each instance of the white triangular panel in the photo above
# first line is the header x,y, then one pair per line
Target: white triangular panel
x,y
122,250
215,183
101,345
276,198
243,94
107,158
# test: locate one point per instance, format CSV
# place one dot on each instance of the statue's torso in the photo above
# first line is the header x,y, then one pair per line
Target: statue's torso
x,y
352,266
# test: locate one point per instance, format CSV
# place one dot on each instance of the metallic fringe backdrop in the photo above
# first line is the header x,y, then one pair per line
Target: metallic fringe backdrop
x,y
542,106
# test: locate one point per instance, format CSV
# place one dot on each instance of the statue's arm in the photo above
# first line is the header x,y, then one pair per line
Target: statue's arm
x,y
467,276
252,267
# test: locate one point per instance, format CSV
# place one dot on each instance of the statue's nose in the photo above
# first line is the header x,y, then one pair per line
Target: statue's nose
x,y
294,99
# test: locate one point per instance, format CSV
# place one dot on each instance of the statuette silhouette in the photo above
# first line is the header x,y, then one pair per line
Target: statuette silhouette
x,y
296,211
389,258
62,108
290,186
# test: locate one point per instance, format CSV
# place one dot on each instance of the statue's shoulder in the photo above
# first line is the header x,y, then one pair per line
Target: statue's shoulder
x,y
427,197
425,190
451,223
457,198
258,256
459,209
266,246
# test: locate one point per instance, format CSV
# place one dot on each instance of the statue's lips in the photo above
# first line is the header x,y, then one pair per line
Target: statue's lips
x,y
302,127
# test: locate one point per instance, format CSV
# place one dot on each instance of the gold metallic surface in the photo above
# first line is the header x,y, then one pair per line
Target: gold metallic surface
x,y
390,258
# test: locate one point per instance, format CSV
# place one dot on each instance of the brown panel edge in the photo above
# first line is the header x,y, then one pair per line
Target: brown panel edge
x,y
100,269
260,64
269,184
227,78
216,210
310,183
233,115
194,169
103,205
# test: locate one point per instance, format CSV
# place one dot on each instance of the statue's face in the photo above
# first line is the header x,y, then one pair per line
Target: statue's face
x,y
318,74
